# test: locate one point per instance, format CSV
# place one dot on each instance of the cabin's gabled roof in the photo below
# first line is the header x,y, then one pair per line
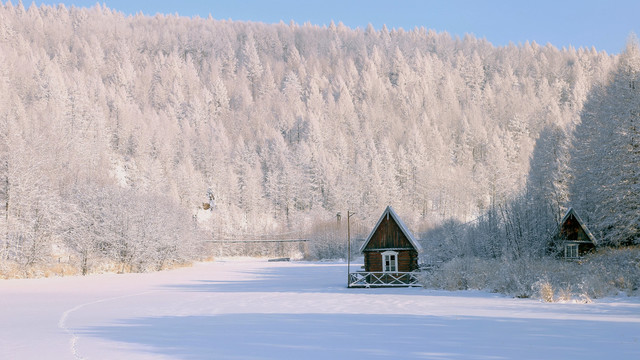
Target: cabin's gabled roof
x,y
401,225
582,224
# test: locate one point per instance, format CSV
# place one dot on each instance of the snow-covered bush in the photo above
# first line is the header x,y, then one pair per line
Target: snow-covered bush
x,y
605,273
544,290
328,242
461,274
612,270
267,249
132,231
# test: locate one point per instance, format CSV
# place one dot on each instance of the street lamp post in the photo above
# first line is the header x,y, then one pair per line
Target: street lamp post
x,y
349,215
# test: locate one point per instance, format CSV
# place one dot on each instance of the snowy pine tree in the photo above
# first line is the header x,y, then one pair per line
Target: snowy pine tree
x,y
606,155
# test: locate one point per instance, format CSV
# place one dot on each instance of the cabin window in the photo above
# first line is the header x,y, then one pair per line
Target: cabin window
x,y
571,251
390,261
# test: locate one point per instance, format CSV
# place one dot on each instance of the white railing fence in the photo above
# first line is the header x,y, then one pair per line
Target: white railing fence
x,y
383,279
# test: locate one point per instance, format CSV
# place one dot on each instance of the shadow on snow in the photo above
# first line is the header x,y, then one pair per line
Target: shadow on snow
x,y
292,278
320,336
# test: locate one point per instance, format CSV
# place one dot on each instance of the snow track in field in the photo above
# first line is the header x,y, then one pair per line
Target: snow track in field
x,y
74,337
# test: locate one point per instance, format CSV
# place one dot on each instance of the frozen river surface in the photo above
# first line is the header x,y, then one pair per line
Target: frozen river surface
x,y
254,309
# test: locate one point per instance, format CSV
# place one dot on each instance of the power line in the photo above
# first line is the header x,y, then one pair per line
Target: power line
x,y
256,240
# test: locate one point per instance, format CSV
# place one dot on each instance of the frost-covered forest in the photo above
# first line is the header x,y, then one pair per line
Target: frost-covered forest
x,y
128,140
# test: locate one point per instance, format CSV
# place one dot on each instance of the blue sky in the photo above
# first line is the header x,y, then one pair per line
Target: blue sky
x,y
579,23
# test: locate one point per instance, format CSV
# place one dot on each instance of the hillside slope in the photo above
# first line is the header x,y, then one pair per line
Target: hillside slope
x,y
115,130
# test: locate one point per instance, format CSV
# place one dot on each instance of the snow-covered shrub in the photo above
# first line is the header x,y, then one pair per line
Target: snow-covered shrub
x,y
327,247
328,240
509,279
133,232
605,273
611,270
461,274
267,249
544,290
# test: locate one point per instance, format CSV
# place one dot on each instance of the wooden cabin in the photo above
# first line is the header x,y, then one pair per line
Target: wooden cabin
x,y
575,236
390,248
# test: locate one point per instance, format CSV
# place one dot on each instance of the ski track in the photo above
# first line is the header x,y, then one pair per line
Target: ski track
x,y
74,337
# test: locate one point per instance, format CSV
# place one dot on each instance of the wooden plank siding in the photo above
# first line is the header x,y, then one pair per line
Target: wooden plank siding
x,y
407,260
388,236
573,232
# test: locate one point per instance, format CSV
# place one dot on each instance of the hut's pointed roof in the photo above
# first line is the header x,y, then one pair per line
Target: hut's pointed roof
x,y
570,212
389,212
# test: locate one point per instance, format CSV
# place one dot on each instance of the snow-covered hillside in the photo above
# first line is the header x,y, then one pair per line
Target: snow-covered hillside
x,y
125,141
262,310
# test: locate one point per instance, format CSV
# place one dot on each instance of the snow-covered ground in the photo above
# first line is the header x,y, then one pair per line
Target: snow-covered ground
x,y
262,310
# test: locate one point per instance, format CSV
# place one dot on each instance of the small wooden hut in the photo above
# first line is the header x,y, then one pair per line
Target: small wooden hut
x,y
575,236
390,248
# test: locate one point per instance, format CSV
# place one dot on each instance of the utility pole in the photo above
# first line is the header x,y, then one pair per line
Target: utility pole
x,y
349,215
